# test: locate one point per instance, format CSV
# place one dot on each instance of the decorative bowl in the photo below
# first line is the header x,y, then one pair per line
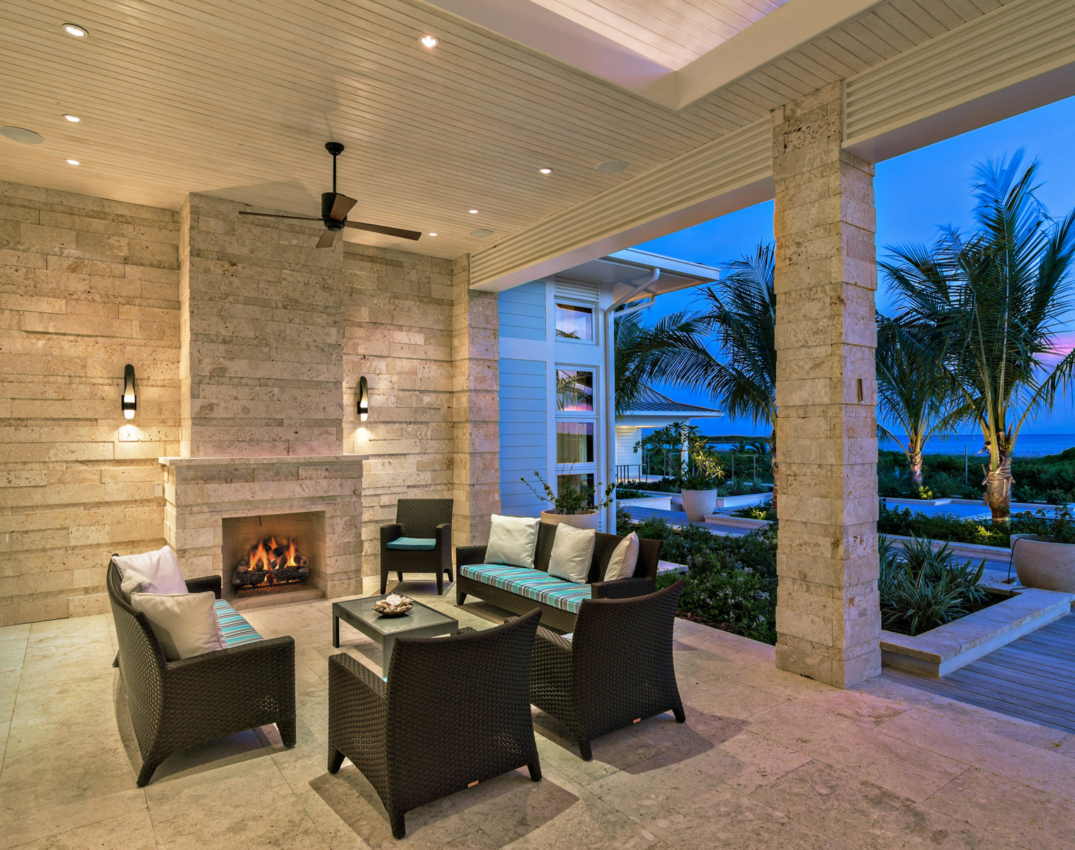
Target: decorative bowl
x,y
393,606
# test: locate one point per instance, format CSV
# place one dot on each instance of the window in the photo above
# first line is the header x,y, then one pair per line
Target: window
x,y
574,321
574,442
574,390
575,481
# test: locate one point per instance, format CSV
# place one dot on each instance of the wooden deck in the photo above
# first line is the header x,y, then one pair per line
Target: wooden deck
x,y
1032,678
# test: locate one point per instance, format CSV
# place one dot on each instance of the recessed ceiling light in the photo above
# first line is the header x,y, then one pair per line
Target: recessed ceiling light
x,y
73,162
472,212
75,30
74,119
612,166
22,135
481,233
545,170
429,41
432,234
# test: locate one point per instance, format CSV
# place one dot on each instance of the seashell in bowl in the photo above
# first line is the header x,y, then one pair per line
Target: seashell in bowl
x,y
393,606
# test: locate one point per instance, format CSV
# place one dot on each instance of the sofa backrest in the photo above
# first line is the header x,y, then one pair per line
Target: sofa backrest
x,y
649,552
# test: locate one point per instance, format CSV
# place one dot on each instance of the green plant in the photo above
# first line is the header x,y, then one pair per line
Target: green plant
x,y
697,466
921,588
997,301
570,500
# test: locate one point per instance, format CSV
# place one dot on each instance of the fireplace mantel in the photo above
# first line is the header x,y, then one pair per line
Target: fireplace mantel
x,y
201,492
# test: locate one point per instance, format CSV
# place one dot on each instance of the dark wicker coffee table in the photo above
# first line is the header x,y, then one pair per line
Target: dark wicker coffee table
x,y
422,621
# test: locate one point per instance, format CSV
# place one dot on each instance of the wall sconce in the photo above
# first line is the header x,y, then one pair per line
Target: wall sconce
x,y
130,397
363,399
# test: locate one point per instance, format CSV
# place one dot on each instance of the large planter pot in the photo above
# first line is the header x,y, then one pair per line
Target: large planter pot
x,y
698,504
590,519
1044,565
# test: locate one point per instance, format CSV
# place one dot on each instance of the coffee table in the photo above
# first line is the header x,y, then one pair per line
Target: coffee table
x,y
422,621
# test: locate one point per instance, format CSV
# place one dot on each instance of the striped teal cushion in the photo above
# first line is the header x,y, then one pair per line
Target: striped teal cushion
x,y
413,544
233,627
533,584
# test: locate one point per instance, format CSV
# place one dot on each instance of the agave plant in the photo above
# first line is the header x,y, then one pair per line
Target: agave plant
x,y
921,589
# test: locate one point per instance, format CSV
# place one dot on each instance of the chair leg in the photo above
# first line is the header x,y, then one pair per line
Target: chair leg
x,y
288,732
115,663
399,575
146,773
399,827
584,750
681,716
384,580
535,770
451,577
440,584
335,759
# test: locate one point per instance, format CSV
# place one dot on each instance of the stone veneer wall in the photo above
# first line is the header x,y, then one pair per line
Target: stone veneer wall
x,y
86,286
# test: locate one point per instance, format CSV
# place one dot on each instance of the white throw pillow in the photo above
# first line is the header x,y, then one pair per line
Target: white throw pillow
x,y
185,623
572,552
512,541
623,560
157,572
132,583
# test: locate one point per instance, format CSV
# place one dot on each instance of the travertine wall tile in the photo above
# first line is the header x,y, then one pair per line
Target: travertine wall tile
x,y
828,620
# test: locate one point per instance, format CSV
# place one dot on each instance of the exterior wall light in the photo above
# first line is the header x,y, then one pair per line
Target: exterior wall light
x,y
363,399
130,397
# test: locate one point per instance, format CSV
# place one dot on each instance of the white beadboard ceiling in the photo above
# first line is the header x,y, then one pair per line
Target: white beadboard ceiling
x,y
236,98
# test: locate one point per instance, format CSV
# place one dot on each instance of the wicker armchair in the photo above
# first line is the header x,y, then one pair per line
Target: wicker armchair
x,y
455,711
422,519
615,670
175,704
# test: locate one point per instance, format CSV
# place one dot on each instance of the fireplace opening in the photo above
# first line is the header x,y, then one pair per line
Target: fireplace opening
x,y
271,554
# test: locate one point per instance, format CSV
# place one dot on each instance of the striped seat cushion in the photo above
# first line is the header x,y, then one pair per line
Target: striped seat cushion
x,y
235,630
532,584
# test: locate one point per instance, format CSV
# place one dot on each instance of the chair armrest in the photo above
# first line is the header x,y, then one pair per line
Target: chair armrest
x,y
444,537
250,670
390,532
623,588
204,583
467,555
551,667
359,676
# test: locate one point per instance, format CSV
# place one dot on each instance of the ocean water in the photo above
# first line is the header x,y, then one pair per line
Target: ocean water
x,y
1028,445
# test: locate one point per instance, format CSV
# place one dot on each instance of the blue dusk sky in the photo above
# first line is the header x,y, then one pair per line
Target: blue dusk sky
x,y
915,194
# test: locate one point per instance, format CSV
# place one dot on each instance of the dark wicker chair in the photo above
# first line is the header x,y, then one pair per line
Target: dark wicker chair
x,y
455,711
175,704
429,519
615,670
641,583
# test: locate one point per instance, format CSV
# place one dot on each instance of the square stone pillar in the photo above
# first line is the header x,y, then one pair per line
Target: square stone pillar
x,y
475,407
827,619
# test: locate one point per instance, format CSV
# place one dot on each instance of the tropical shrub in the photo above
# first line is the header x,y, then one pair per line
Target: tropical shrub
x,y
921,589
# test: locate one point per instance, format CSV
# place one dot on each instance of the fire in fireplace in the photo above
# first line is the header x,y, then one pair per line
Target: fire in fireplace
x,y
270,564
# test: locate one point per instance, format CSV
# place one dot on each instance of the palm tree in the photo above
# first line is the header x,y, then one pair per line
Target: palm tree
x,y
914,391
738,318
631,360
997,299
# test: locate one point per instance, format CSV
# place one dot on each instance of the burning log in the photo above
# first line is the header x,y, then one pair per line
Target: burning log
x,y
270,563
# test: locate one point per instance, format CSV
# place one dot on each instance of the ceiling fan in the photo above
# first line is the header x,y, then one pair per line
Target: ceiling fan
x,y
334,209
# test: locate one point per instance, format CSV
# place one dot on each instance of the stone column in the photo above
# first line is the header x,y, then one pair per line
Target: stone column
x,y
475,408
828,621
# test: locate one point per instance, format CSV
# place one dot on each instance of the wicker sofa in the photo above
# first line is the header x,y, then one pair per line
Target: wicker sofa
x,y
174,704
520,590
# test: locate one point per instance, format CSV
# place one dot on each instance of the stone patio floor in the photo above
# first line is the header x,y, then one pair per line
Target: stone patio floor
x,y
766,759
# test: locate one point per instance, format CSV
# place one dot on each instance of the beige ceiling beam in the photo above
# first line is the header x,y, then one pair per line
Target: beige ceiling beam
x,y
724,175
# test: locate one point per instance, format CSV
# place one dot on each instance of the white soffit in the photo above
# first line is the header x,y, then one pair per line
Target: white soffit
x,y
1018,58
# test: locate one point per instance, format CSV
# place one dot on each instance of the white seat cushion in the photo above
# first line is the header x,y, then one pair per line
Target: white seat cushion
x,y
157,571
512,541
572,552
185,623
624,559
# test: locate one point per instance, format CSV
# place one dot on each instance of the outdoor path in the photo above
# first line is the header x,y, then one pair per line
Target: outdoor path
x,y
1032,678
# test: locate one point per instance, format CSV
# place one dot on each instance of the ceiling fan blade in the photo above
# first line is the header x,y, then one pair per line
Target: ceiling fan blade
x,y
327,238
270,215
340,207
387,231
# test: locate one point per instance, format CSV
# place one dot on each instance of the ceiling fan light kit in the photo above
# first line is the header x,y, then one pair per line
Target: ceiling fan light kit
x,y
334,210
